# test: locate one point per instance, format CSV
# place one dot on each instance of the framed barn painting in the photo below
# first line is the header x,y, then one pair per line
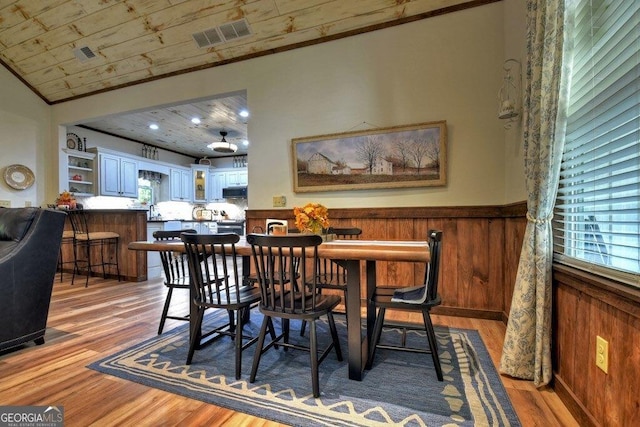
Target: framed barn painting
x,y
394,157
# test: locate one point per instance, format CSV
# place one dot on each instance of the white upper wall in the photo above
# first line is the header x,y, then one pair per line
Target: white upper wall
x,y
443,68
24,138
514,41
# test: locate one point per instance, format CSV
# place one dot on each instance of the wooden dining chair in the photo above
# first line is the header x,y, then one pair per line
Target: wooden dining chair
x,y
289,300
216,283
330,275
420,298
176,273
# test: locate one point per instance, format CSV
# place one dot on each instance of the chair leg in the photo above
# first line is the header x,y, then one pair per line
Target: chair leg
x,y
104,272
88,252
165,310
117,258
285,331
195,334
377,331
272,332
238,339
60,262
232,320
334,336
303,326
259,348
313,352
433,344
75,262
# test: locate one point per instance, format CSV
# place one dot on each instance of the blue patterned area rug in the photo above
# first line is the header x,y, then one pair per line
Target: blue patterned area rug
x,y
401,388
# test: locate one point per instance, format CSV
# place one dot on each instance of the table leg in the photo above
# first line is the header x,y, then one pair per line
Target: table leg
x,y
358,345
246,271
370,306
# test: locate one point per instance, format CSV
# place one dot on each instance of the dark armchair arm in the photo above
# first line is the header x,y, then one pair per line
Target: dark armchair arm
x,y
27,270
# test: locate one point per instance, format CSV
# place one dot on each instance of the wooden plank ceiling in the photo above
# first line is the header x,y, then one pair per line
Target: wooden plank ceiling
x,y
135,41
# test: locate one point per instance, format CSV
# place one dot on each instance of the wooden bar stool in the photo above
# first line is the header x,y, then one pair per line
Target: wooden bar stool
x,y
84,240
67,239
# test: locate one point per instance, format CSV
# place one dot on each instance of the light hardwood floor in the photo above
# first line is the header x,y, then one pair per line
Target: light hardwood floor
x,y
86,324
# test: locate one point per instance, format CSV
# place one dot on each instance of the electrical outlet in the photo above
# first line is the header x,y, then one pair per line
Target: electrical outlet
x,y
5,203
602,354
27,203
279,201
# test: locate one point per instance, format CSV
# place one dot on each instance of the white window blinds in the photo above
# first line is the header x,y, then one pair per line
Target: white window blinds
x,y
597,218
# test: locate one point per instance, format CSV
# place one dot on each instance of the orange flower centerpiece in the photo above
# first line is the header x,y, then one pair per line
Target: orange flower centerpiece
x,y
66,200
311,218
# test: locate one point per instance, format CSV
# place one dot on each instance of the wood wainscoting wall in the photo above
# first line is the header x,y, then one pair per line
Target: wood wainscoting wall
x,y
586,306
481,248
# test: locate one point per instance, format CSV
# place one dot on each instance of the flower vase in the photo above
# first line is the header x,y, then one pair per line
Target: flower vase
x,y
322,232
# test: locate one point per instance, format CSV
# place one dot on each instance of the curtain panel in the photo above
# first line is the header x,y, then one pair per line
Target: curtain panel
x,y
527,347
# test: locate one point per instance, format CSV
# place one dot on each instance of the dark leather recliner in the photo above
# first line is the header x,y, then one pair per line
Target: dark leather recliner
x,y
29,246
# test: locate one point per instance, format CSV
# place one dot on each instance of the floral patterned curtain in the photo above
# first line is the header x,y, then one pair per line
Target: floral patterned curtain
x,y
527,347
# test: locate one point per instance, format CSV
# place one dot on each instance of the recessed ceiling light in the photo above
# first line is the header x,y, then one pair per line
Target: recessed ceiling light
x,y
153,126
195,121
244,113
245,143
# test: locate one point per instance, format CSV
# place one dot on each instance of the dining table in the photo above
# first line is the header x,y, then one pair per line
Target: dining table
x,y
349,254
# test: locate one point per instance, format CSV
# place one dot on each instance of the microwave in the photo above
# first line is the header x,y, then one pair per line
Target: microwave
x,y
234,192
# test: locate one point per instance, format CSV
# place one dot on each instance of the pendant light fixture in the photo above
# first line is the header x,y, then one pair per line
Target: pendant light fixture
x,y
223,146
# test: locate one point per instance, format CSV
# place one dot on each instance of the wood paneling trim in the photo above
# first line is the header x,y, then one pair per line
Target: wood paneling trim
x,y
573,404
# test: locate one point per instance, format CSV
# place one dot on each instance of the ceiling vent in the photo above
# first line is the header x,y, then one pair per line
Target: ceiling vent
x,y
223,33
84,54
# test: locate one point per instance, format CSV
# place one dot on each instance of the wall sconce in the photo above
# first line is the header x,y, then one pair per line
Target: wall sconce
x,y
509,93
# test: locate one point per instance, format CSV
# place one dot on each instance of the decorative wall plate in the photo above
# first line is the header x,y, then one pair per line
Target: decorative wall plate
x,y
72,141
197,212
19,177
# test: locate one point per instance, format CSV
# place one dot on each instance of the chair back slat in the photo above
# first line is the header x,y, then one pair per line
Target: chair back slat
x,y
330,272
346,232
433,267
278,266
174,263
213,267
78,221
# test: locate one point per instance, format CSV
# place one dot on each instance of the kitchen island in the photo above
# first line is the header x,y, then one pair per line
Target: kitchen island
x,y
131,225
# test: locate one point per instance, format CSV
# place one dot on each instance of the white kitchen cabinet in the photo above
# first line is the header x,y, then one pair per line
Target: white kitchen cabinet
x,y
154,264
217,181
221,178
238,177
201,227
180,182
118,176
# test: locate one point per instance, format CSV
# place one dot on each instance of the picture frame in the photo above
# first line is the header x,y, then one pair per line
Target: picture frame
x,y
392,157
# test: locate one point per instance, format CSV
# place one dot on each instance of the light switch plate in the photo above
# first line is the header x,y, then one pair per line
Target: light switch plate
x,y
279,201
